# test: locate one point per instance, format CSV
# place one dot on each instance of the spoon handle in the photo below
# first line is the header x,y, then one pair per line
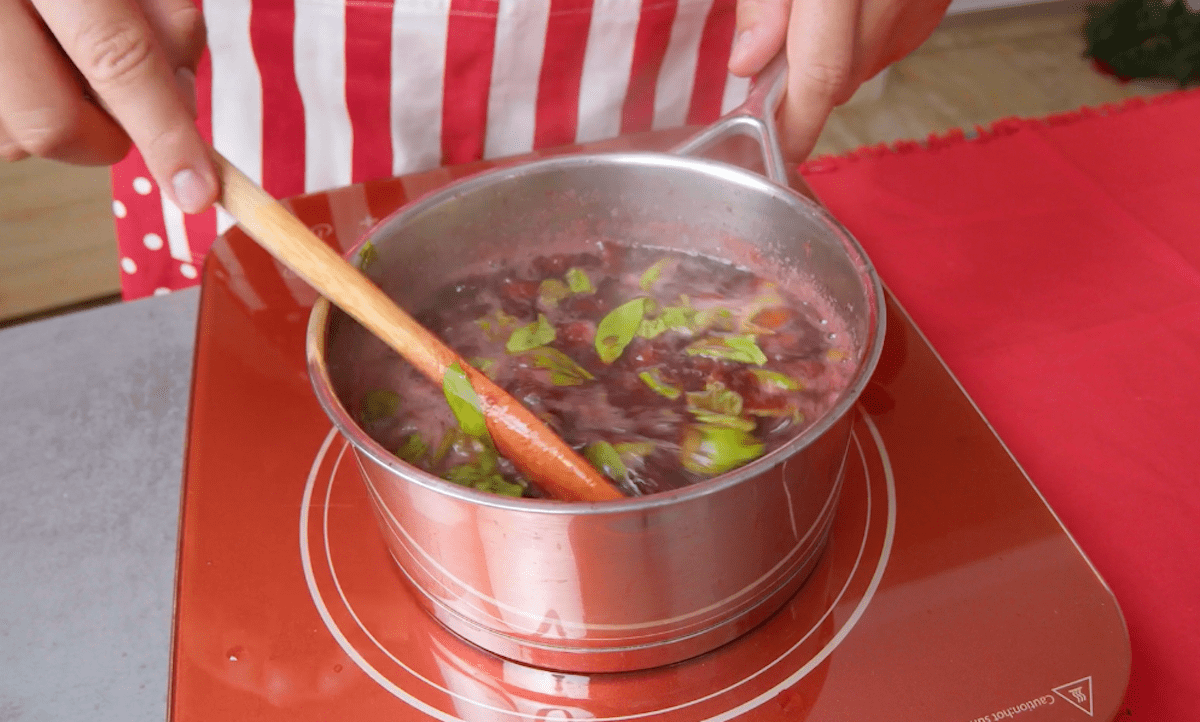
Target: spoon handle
x,y
518,434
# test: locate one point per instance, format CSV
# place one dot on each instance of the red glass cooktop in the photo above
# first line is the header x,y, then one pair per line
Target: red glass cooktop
x,y
948,591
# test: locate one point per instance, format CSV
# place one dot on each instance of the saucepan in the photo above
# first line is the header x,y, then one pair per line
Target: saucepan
x,y
638,582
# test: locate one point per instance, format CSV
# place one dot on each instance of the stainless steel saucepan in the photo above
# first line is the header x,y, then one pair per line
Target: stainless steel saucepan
x,y
644,581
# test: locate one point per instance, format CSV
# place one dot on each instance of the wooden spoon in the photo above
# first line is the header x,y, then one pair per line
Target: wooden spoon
x,y
536,450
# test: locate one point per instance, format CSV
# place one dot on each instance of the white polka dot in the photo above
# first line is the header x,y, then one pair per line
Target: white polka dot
x,y
142,185
153,241
128,266
188,270
161,291
119,209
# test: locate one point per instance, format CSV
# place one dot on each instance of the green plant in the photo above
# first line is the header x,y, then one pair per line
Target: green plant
x,y
1145,39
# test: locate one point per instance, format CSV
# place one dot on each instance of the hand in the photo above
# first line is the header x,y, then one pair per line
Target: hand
x,y
81,79
833,46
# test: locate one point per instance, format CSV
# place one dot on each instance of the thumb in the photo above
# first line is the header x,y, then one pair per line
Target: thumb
x,y
761,30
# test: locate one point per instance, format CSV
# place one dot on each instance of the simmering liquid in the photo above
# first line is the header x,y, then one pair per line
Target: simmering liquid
x,y
663,369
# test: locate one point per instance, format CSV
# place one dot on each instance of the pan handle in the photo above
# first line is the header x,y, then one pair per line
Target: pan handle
x,y
755,118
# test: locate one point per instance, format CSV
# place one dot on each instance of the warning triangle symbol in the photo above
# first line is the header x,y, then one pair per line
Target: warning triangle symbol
x,y
1078,693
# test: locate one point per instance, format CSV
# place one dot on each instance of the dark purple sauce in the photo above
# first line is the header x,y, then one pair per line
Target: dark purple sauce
x,y
700,367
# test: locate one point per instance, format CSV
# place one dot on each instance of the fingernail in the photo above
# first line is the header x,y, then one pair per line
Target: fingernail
x,y
742,44
185,79
191,191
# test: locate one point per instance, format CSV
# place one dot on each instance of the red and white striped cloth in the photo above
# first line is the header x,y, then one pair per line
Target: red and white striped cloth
x,y
306,95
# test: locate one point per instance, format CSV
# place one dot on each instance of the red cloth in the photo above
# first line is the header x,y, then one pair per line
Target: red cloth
x,y
1055,266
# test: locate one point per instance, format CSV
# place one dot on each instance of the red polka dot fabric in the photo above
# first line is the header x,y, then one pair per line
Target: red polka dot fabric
x,y
149,265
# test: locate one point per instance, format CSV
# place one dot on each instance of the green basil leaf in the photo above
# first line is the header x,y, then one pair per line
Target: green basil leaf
x,y
486,366
720,319
496,484
651,275
551,291
367,256
651,328
742,349
724,420
677,316
713,450
482,464
606,459
563,369
653,378
445,446
495,324
634,449
746,346
464,402
774,380
485,460
471,476
377,405
413,449
715,399
618,328
668,318
463,474
481,474
719,406
578,281
538,333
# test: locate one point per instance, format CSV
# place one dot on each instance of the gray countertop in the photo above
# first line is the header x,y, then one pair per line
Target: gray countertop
x,y
93,408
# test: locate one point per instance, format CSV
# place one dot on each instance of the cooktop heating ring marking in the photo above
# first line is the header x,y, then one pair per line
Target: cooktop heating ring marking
x,y
411,700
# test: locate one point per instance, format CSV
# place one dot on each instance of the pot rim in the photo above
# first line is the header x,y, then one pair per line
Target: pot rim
x,y
317,328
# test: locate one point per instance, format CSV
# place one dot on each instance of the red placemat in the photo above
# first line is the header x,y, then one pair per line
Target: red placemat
x,y
1055,265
